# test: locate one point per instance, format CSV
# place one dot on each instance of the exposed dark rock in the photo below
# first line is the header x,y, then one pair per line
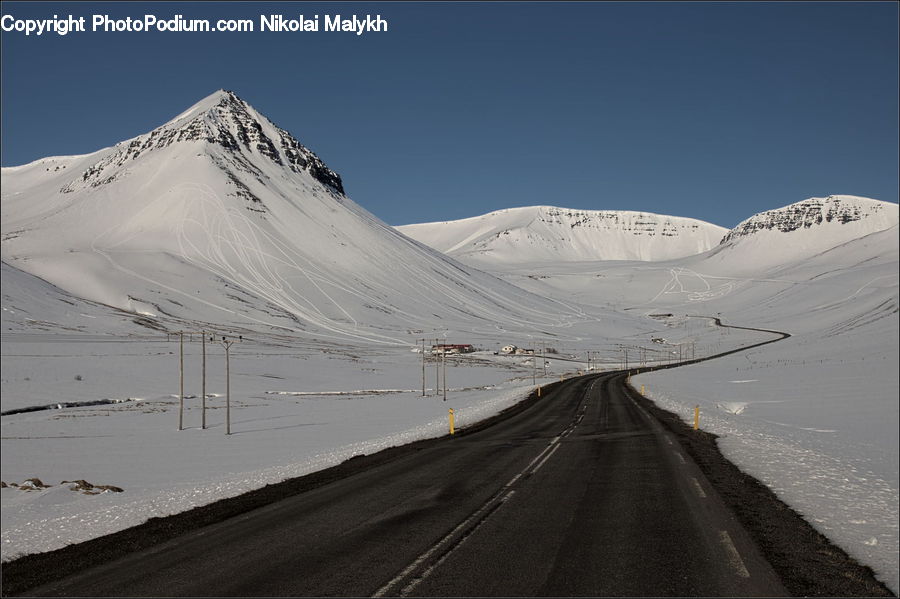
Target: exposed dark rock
x,y
801,215
228,124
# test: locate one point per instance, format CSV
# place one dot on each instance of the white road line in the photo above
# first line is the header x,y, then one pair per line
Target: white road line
x,y
513,480
545,454
532,462
698,488
436,547
425,574
547,457
482,512
731,552
680,457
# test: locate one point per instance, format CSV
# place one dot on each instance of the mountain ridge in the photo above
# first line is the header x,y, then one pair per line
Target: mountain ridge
x,y
220,214
546,233
805,214
504,237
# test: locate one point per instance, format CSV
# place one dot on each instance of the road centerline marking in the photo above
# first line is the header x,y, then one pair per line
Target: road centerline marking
x,y
427,572
732,554
542,462
700,492
482,512
479,516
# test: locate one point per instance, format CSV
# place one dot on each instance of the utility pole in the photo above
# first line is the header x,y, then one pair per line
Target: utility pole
x,y
203,386
444,362
533,364
423,367
228,387
626,358
437,371
544,357
227,343
181,369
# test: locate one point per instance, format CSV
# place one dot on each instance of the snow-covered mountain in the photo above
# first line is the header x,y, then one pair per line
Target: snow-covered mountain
x,y
851,215
517,238
801,230
537,234
221,216
811,236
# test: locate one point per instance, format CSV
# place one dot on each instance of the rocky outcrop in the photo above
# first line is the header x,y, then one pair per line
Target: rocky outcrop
x,y
836,209
230,124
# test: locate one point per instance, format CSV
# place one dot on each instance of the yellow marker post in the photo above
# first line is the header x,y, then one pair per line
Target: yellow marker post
x,y
539,391
696,417
642,389
452,430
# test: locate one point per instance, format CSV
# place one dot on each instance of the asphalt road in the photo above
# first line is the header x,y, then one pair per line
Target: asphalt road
x,y
582,493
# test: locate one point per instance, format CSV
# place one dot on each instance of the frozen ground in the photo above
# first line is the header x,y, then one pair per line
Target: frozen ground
x,y
293,411
297,406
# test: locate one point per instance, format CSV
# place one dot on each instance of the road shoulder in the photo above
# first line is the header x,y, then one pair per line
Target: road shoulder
x,y
807,562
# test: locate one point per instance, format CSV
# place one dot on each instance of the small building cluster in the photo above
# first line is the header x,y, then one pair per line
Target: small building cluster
x,y
452,348
519,351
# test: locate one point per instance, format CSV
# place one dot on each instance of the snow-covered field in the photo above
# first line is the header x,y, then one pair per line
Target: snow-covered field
x,y
293,411
220,221
297,405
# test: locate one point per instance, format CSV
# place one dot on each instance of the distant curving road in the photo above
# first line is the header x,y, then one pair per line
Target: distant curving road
x,y
582,493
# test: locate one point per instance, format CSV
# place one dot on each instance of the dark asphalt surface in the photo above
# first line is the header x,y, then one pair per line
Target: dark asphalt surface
x,y
583,493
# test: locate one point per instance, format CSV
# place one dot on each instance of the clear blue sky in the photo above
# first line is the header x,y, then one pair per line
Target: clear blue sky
x,y
707,110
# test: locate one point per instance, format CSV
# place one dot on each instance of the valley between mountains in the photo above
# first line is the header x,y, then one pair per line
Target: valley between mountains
x,y
127,272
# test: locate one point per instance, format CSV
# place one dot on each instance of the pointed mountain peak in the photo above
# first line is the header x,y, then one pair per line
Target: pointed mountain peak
x,y
221,98
237,135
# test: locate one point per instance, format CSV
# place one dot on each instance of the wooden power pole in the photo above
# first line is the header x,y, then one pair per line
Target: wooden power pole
x,y
181,372
203,383
423,367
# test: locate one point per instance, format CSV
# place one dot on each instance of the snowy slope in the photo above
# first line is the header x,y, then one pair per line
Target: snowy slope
x,y
221,216
802,230
537,234
31,305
